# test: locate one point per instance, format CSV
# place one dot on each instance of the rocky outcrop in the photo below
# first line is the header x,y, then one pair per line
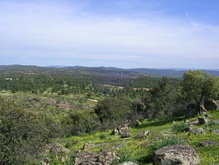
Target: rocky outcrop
x,y
196,131
208,143
202,120
88,145
142,134
212,105
122,130
89,158
55,149
125,134
177,154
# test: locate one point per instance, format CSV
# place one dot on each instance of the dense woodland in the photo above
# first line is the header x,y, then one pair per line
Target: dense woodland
x,y
38,104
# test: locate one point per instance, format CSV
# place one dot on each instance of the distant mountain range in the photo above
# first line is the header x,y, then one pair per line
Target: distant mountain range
x,y
110,71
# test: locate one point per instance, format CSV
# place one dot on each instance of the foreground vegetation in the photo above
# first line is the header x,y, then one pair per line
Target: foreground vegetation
x,y
75,107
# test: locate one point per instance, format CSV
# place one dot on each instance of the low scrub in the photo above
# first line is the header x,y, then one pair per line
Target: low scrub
x,y
165,142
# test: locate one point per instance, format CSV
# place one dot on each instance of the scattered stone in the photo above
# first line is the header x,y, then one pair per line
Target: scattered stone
x,y
177,154
104,157
208,143
194,122
202,120
125,134
115,132
45,161
215,131
56,148
88,146
128,163
117,147
187,129
121,129
85,157
196,131
142,134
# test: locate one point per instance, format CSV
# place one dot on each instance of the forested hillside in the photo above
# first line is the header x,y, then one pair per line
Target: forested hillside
x,y
66,115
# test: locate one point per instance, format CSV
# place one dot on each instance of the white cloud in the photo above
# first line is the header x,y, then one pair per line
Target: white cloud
x,y
29,29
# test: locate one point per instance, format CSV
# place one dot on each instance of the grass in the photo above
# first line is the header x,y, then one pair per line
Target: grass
x,y
137,149
131,146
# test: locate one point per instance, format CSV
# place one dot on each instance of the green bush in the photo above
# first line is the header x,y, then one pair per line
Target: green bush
x,y
79,122
179,127
23,134
113,110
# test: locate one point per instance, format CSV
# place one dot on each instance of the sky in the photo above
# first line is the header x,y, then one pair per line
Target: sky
x,y
116,33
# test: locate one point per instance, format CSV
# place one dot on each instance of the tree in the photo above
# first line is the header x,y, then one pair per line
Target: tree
x,y
113,110
161,99
198,86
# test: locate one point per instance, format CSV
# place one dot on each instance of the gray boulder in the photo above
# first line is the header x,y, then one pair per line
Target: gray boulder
x,y
142,134
90,158
196,131
125,134
176,155
208,143
88,145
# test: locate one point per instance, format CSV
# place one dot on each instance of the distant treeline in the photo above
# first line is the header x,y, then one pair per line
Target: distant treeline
x,y
76,81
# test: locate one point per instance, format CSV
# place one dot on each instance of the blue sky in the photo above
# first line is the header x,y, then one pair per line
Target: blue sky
x,y
120,33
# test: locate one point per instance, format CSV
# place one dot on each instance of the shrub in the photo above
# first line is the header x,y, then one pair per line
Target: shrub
x,y
123,157
23,134
113,110
79,122
165,142
179,127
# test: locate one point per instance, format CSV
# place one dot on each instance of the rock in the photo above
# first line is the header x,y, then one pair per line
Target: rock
x,y
90,163
89,158
142,134
202,120
212,105
128,163
85,157
215,131
194,122
187,129
45,161
115,132
106,157
117,147
197,131
88,145
121,129
125,135
208,143
176,155
55,149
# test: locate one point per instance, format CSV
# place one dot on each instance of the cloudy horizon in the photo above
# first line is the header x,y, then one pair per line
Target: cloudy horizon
x,y
117,33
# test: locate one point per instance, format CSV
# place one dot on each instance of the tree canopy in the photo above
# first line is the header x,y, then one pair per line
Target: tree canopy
x,y
198,86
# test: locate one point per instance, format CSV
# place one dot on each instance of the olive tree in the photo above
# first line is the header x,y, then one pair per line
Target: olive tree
x,y
198,86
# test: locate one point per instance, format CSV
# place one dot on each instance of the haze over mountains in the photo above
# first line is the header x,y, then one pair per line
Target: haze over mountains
x,y
102,70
